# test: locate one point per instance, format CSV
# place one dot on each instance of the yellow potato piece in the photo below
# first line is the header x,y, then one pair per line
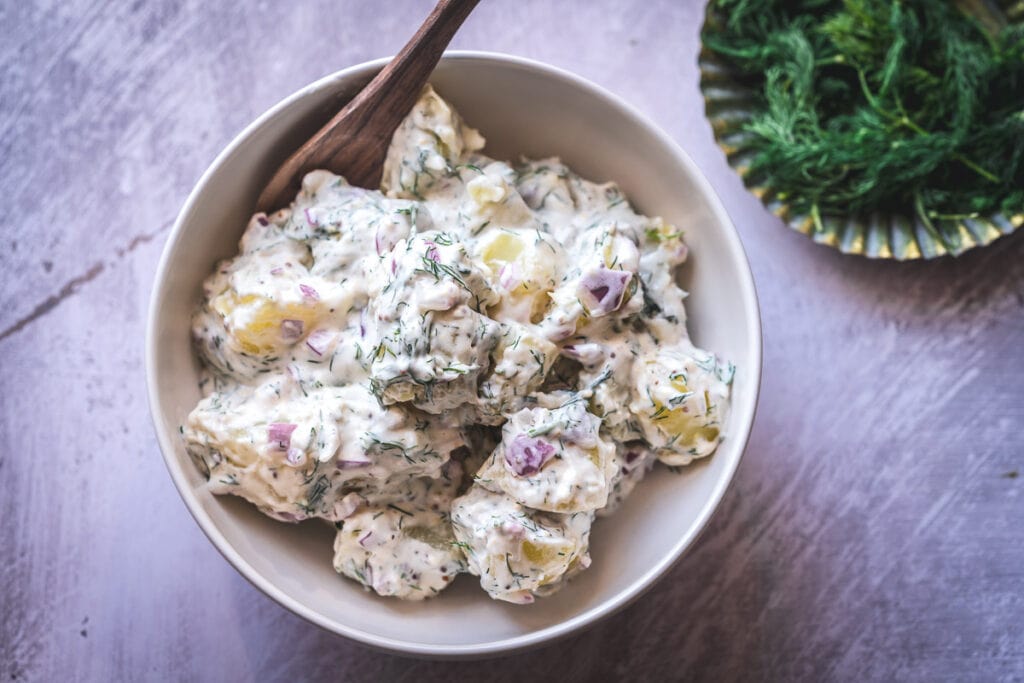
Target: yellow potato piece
x,y
682,424
534,279
501,249
486,190
543,555
255,321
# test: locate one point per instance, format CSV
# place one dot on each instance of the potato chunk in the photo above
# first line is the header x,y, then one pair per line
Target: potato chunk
x,y
514,550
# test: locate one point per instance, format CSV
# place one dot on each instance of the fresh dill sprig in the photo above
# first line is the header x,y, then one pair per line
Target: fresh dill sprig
x,y
879,105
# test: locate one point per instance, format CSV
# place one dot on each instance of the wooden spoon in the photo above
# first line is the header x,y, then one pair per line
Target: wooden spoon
x,y
355,142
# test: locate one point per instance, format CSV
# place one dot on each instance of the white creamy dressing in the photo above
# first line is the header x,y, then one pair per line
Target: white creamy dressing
x,y
460,371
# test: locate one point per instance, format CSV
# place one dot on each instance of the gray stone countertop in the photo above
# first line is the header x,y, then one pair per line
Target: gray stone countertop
x,y
874,531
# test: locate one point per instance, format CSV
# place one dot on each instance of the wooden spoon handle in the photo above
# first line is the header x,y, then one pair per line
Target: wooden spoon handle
x,y
355,142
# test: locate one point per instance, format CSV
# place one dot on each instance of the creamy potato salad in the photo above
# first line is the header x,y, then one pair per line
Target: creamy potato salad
x,y
460,371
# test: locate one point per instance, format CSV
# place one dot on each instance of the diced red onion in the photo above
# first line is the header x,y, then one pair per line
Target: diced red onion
x,y
296,457
527,454
277,271
309,292
432,252
309,217
366,536
362,324
280,434
583,435
587,354
508,276
382,242
262,220
351,464
319,340
394,265
601,290
352,460
291,330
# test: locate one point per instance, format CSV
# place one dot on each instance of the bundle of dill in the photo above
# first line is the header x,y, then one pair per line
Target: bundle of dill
x,y
880,105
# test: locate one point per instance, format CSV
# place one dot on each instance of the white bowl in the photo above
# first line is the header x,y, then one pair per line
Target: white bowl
x,y
521,107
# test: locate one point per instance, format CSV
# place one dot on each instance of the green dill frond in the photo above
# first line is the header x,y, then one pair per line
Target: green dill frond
x,y
879,104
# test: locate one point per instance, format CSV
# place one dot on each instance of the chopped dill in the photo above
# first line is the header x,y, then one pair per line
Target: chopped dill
x,y
880,105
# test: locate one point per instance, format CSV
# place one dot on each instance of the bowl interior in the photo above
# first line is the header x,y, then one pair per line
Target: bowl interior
x,y
522,109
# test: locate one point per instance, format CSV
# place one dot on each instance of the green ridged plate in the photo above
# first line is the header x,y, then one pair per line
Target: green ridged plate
x,y
730,100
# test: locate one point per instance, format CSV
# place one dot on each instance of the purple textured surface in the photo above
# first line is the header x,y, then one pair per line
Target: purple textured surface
x,y
875,530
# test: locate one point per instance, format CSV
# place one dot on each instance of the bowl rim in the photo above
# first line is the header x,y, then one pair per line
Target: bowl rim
x,y
564,628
